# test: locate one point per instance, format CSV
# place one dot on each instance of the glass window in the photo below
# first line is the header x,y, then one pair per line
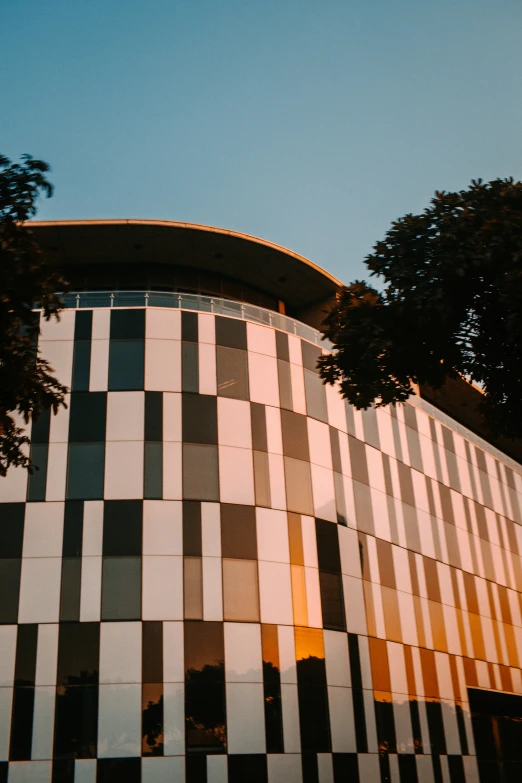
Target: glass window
x,y
86,471
9,589
83,325
332,602
153,478
387,570
127,324
295,538
153,416
199,415
363,507
121,588
152,724
204,686
371,431
315,396
311,354
314,720
88,414
70,591
232,373
152,651
205,724
76,722
109,770
190,367
126,365
200,472
261,478
26,644
240,591
40,427
247,766
22,724
122,527
204,649
193,588
12,529
189,327
406,485
238,531
295,435
81,365
285,384
336,450
78,654
258,418
231,333
73,529
38,479
192,545
298,486
327,546
282,346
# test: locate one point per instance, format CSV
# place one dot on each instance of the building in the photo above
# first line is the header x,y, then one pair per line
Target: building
x,y
221,571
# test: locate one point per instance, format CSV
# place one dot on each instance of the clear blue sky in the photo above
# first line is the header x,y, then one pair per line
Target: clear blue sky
x,y
311,124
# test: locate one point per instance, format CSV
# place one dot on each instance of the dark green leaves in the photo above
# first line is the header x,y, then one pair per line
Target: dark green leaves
x,y
452,306
27,280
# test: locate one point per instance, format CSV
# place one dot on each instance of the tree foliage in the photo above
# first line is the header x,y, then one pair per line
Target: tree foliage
x,y
451,306
27,280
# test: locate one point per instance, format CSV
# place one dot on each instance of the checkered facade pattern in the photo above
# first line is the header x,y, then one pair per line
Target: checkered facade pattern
x,y
223,572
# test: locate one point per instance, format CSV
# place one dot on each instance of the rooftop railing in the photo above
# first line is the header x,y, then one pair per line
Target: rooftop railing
x,y
198,302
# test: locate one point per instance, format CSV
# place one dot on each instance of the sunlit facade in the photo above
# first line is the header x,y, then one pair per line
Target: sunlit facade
x,y
221,571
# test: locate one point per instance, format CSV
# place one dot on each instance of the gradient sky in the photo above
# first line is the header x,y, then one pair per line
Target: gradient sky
x,y
310,124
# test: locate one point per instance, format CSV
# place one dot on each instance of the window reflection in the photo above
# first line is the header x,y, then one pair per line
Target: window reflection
x,y
204,687
76,721
152,719
272,689
311,678
78,654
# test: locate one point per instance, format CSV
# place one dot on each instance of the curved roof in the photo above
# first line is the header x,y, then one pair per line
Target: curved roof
x,y
261,264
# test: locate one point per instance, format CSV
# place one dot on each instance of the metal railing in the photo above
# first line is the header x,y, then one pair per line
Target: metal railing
x,y
198,302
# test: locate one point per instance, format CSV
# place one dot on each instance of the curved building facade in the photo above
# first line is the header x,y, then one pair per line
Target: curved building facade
x,y
221,572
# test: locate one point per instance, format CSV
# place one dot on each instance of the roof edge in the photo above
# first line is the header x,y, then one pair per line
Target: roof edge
x,y
192,227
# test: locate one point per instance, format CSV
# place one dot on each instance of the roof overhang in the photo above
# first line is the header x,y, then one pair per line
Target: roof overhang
x,y
256,262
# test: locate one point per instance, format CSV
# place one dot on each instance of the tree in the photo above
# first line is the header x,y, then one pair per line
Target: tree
x,y
451,306
27,281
